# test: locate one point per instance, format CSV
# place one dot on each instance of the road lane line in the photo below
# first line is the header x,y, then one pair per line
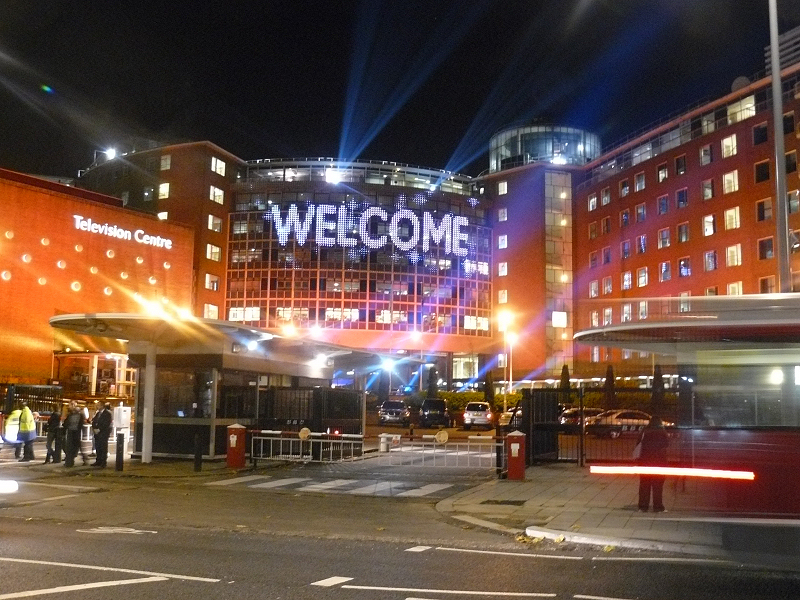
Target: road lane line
x,y
378,588
331,581
373,488
40,500
279,482
582,597
80,586
58,486
488,524
115,569
425,490
238,480
659,559
326,485
521,554
418,548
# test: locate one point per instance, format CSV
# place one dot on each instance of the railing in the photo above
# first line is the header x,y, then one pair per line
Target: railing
x,y
473,452
317,447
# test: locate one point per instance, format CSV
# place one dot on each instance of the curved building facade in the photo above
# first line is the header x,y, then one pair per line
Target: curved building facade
x,y
556,144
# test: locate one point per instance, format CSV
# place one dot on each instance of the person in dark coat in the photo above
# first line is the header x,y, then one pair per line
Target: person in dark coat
x,y
73,424
654,441
53,430
101,428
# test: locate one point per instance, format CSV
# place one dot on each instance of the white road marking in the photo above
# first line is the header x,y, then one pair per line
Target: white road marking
x,y
373,488
114,530
582,597
58,486
40,500
326,485
418,548
709,561
331,581
487,524
280,482
238,480
114,569
80,586
425,490
379,588
520,554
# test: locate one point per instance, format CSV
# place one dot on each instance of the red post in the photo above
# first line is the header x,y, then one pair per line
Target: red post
x,y
515,453
236,456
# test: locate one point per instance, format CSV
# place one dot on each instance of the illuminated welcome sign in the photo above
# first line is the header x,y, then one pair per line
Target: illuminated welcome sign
x,y
120,233
338,226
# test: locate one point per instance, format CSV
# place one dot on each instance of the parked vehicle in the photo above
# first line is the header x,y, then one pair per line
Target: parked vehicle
x,y
394,411
510,417
433,412
478,413
616,423
572,416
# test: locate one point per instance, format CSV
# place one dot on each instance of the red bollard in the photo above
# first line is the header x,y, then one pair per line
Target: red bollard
x,y
237,451
515,453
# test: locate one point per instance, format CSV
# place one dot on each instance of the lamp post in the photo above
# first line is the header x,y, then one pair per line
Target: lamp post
x,y
504,320
512,339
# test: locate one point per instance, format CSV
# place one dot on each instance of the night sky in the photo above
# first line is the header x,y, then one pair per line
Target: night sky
x,y
425,83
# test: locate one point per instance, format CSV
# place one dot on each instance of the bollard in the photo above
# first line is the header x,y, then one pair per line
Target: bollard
x,y
198,453
120,451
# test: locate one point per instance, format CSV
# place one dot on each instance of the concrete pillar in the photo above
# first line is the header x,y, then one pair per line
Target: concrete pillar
x,y
149,402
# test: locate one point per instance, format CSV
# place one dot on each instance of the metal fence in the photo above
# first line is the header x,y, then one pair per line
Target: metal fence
x,y
317,447
477,452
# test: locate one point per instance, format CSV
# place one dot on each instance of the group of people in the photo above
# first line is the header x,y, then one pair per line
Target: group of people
x,y
20,433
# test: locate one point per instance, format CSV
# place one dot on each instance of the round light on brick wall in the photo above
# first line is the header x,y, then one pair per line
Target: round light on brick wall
x,y
26,258
123,275
75,286
62,264
107,291
139,260
5,275
110,253
42,280
93,270
78,248
45,242
9,235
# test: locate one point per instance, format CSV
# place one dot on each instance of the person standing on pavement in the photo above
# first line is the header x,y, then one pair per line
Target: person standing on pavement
x,y
53,430
11,431
73,425
27,432
101,428
653,441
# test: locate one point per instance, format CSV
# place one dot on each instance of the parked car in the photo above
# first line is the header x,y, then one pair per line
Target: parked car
x,y
478,413
615,423
572,416
510,417
433,412
394,411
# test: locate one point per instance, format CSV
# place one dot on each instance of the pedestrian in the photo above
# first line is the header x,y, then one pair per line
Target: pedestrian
x,y
53,430
11,431
653,452
101,429
27,432
73,425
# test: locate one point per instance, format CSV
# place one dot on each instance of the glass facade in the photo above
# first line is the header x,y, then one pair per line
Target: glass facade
x,y
518,146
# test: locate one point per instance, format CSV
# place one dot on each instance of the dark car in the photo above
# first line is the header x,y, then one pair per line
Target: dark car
x,y
394,411
572,416
616,423
433,412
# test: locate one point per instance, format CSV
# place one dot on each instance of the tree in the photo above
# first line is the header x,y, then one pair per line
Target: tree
x,y
433,383
564,385
488,387
608,387
657,397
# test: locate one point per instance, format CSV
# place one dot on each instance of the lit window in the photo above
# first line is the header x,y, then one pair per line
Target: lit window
x,y
625,315
684,267
210,311
641,277
624,188
502,296
711,291
502,188
595,318
595,357
709,225
707,188
662,172
638,182
665,271
627,280
592,202
163,191
641,244
683,232
728,146
217,195
213,252
502,241
502,269
735,288
214,223
502,214
624,218
166,162
710,260
218,166
212,282
642,309
684,305
594,289
732,218
730,182
605,196
641,213
663,238
607,287
733,255
705,154
607,316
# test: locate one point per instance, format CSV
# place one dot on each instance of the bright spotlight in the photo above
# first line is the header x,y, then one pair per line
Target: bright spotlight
x,y
111,154
388,364
8,486
776,377
252,345
333,176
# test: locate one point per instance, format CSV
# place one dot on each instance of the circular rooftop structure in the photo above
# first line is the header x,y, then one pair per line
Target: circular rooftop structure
x,y
539,142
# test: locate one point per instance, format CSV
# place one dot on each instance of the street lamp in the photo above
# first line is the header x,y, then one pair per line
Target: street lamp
x,y
504,320
512,339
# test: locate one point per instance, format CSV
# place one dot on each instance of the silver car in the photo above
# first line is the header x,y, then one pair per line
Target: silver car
x,y
478,413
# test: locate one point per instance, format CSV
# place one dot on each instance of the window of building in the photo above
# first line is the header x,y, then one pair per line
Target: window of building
x,y
766,285
642,309
502,214
625,249
627,280
502,269
218,166
732,218
641,277
595,355
502,188
213,252
733,255
764,209
759,134
707,188
711,291
680,164
163,191
502,296
665,271
605,224
595,318
606,255
166,162
728,146
663,238
605,196
624,218
607,287
217,195
147,194
210,311
663,204
788,123
592,202
502,240
710,260
624,188
662,172
215,224
735,288
212,282
683,302
762,171
163,215
638,182
709,225
765,250
682,198
626,314
641,244
793,200
730,182
791,161
592,260
705,154
607,316
594,289
683,232
592,230
641,212
684,267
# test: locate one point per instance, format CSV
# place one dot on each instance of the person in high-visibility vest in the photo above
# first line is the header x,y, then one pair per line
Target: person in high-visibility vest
x,y
27,432
11,431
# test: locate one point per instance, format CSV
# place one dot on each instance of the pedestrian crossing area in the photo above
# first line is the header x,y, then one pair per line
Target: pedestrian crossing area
x,y
355,487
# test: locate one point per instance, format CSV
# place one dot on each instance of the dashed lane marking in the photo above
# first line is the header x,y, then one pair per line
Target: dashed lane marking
x,y
239,480
280,482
